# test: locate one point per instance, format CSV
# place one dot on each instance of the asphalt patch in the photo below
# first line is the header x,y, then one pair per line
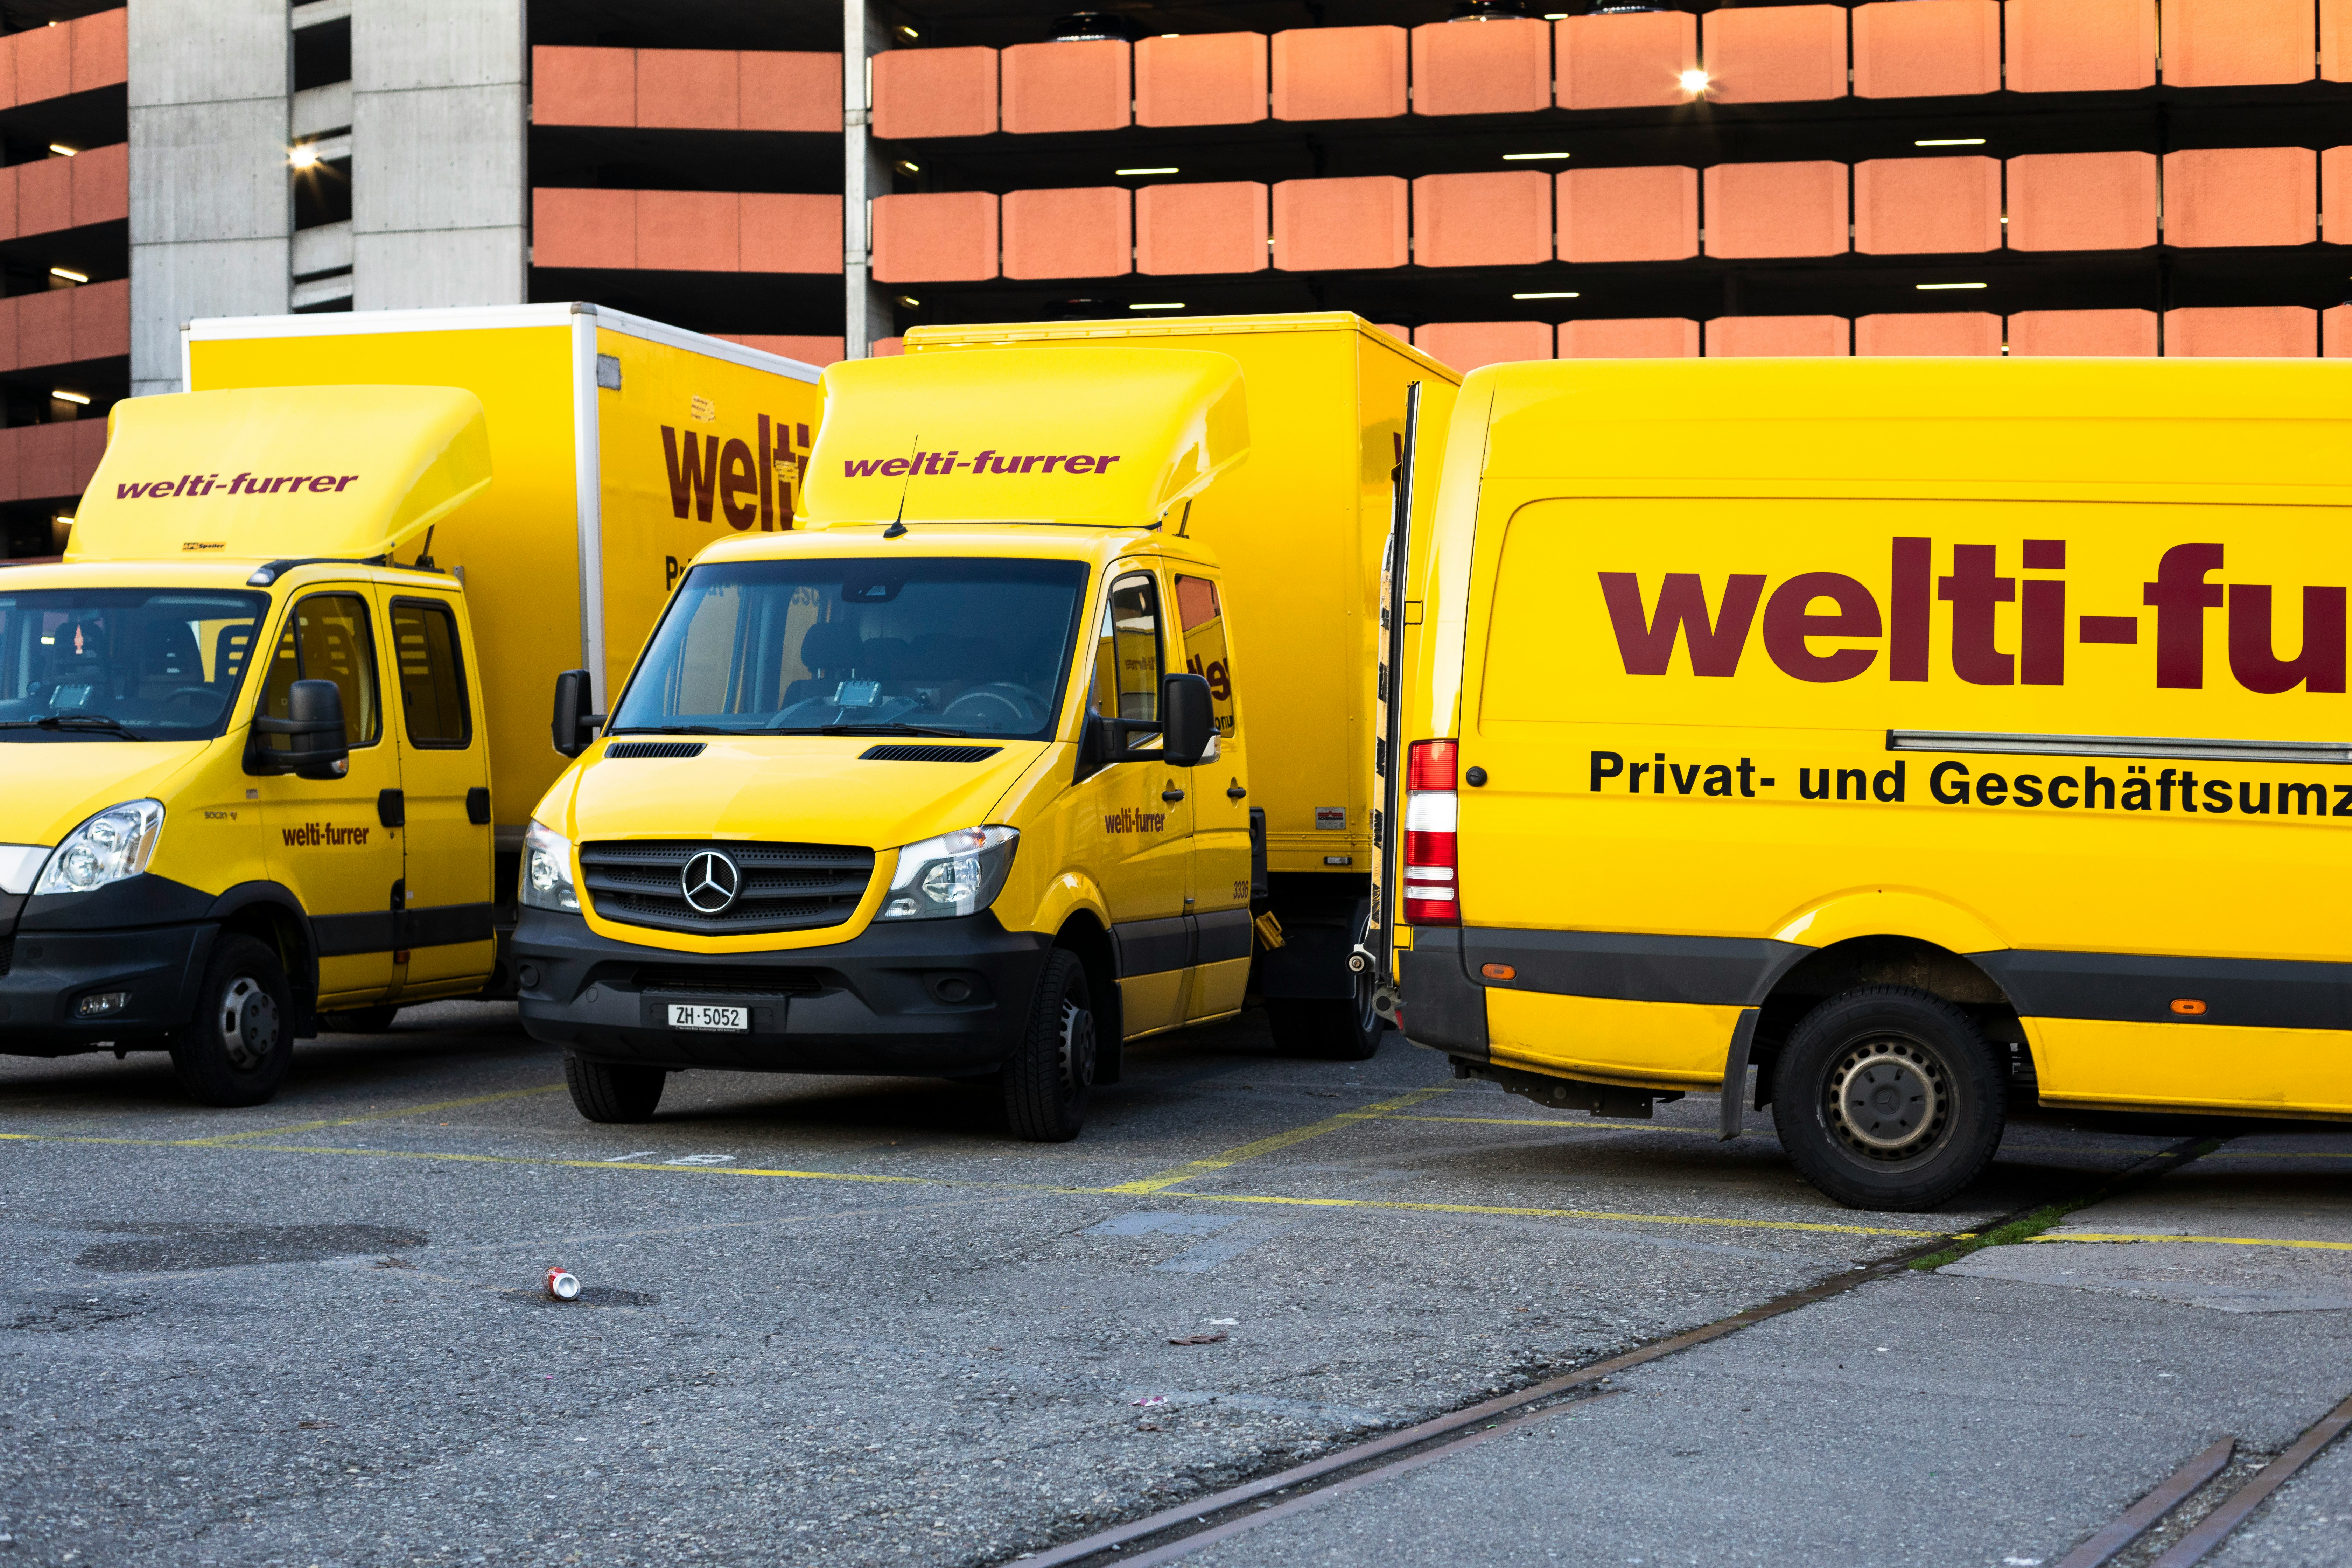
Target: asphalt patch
x,y
172,1248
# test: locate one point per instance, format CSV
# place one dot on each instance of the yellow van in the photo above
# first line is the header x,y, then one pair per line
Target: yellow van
x,y
1914,731
1012,751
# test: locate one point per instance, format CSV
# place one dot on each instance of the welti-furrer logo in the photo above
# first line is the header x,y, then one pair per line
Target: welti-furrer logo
x,y
750,489
987,461
241,484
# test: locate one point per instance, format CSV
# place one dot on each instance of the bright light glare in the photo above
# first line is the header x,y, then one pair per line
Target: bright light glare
x,y
1951,141
1127,172
306,156
1528,157
1557,296
62,150
73,398
1694,81
1177,306
69,274
1948,285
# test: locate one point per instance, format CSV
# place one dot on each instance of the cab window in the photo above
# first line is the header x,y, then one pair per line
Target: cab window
x,y
432,682
1126,656
326,638
1202,613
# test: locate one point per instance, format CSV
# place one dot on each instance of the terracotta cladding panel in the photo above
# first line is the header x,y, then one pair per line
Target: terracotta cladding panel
x,y
102,184
1641,214
88,447
2093,334
695,89
1746,337
1482,220
1340,73
2080,46
1083,232
2081,201
887,347
689,231
44,458
2336,332
1201,79
788,90
1467,346
935,92
788,232
12,463
1501,67
1221,226
2336,194
44,195
45,327
43,63
1652,337
101,320
100,50
1776,209
9,358
1908,207
1626,61
9,229
1401,334
2243,332
1066,87
2237,42
2336,44
8,70
944,237
807,349
1942,332
582,86
2241,196
583,228
1323,225
1775,54
1926,49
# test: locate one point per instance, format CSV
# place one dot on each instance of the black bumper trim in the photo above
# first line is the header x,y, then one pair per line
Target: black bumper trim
x,y
1444,1008
50,971
2141,988
1632,966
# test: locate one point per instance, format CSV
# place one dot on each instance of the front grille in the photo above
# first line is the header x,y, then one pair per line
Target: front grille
x,y
654,749
723,980
927,753
784,887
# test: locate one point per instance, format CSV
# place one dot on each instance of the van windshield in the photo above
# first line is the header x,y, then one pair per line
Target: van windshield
x,y
945,645
111,664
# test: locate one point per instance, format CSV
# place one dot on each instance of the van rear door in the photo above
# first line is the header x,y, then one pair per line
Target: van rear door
x,y
445,926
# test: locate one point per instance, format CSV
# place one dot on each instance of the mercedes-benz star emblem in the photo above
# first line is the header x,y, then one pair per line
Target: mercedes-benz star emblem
x,y
709,882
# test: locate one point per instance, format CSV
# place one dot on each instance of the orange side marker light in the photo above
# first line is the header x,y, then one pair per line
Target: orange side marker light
x,y
2188,1006
1498,972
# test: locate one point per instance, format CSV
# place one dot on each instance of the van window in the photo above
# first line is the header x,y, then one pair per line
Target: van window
x,y
432,683
163,663
326,638
1126,656
1203,614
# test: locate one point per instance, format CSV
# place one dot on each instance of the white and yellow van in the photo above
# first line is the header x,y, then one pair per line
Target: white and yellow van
x,y
1912,731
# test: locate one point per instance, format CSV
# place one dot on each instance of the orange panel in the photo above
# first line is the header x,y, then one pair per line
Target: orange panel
x,y
2241,196
1929,332
1322,225
886,348
2081,201
1088,232
100,50
43,63
1628,214
44,458
88,447
1776,209
11,445
1625,62
2335,40
2081,45
689,231
2243,332
688,88
1743,337
1066,87
1482,220
1913,206
101,320
1926,49
9,78
1500,67
102,184
582,86
45,327
788,90
2105,334
807,349
1467,346
2336,194
1201,79
9,229
1654,337
1223,227
1340,73
8,356
1775,54
1401,334
2336,332
790,232
583,228
2234,43
941,236
934,92
44,192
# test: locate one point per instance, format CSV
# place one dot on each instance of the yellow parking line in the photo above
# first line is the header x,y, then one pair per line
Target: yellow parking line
x,y
1232,1157
1554,1213
290,1127
2280,1154
2218,1240
1569,1126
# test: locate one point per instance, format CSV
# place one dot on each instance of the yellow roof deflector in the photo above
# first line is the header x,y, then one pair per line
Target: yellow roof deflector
x,y
1112,436
271,473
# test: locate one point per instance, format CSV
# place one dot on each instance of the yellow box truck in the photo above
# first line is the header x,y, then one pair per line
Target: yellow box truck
x,y
958,778
1916,732
206,852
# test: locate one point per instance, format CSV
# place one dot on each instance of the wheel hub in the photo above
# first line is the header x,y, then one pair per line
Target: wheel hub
x,y
248,1023
1077,1047
1888,1099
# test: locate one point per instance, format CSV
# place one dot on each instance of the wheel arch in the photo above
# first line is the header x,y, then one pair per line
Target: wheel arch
x,y
269,912
1085,934
1885,959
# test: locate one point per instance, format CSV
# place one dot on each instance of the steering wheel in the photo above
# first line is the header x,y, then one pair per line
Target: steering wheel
x,y
996,706
185,693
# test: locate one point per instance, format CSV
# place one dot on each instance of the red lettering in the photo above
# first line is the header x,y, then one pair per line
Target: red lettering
x,y
1909,613
2181,597
736,480
2319,667
1972,590
1788,620
695,471
1646,643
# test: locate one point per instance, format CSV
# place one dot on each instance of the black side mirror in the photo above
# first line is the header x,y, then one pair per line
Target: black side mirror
x,y
1188,721
316,745
575,725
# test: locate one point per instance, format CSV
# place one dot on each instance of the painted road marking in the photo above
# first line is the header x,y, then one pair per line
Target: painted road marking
x,y
1232,1157
2216,1240
1566,1126
292,1127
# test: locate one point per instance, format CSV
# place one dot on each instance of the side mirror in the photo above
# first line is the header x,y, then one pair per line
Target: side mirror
x,y
316,746
575,725
1188,721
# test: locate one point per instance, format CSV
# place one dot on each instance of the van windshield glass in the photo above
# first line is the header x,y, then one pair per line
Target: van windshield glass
x,y
110,663
954,645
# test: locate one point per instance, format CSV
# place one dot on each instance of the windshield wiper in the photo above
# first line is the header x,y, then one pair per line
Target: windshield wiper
x,y
892,727
74,721
682,729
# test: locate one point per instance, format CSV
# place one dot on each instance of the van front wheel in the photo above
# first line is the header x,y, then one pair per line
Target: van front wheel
x,y
1051,1064
237,1048
613,1091
1888,1097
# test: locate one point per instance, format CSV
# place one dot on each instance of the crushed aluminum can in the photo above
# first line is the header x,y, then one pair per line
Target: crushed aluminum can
x,y
562,1284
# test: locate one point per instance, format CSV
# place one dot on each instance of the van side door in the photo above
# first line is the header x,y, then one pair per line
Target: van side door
x,y
445,780
1217,791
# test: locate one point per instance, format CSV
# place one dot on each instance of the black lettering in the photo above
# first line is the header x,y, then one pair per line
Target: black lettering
x,y
1887,783
1861,783
2305,796
2135,794
1747,770
2188,790
1659,784
2065,801
1634,786
1936,781
2254,805
1685,785
2343,801
1605,766
2092,783
2028,789
2216,794
1719,780
1991,789
1805,784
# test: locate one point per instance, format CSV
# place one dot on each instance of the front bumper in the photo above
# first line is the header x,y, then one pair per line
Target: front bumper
x,y
45,973
929,998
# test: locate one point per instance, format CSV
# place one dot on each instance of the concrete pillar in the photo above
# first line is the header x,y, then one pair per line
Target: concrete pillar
x,y
211,205
438,176
865,175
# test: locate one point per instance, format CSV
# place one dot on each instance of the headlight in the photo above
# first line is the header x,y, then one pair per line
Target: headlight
x,y
546,871
955,874
116,843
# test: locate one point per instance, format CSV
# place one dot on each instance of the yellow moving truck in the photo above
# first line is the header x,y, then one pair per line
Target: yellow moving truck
x,y
197,861
958,778
1916,731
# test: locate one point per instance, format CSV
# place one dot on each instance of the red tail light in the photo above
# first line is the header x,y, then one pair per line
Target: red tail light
x,y
1432,887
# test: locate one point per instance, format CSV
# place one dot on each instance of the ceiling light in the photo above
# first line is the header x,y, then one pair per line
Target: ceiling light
x,y
907,166
69,274
62,150
1552,296
305,156
1123,173
1951,141
1555,16
1177,306
1694,81
910,302
907,32
74,398
1947,285
1525,157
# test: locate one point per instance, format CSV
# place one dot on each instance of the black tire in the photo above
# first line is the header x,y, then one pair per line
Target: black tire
x,y
1338,1029
613,1091
236,1051
1050,1065
358,1020
1888,1097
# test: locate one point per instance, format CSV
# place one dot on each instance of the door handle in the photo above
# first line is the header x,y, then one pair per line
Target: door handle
x,y
477,806
392,808
1234,792
1171,796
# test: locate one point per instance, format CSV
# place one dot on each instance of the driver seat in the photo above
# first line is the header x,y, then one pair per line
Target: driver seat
x,y
830,652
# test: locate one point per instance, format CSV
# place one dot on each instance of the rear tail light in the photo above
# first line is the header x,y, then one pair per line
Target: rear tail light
x,y
1432,888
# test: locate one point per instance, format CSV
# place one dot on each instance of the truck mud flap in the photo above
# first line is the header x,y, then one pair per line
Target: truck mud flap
x,y
1444,1009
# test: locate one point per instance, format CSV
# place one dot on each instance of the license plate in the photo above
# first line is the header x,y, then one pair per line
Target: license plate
x,y
689,1015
